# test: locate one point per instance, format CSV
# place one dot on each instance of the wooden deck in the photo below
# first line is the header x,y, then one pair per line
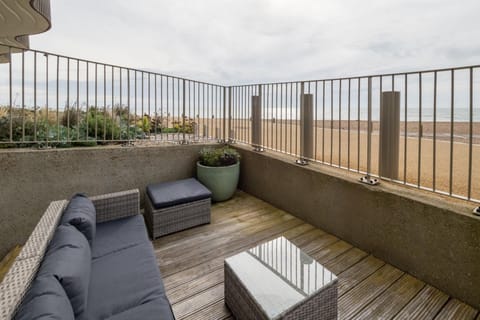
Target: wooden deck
x,y
191,263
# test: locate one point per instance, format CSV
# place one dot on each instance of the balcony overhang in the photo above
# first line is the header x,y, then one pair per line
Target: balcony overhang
x,y
18,20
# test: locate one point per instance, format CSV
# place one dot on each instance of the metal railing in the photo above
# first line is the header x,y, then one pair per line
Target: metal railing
x,y
418,128
48,99
436,134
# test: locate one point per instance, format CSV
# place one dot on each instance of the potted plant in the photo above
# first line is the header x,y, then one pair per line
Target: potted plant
x,y
218,169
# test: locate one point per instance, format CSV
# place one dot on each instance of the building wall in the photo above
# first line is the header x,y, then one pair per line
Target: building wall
x,y
431,237
31,179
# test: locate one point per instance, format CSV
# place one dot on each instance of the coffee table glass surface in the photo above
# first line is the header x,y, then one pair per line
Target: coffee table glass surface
x,y
279,276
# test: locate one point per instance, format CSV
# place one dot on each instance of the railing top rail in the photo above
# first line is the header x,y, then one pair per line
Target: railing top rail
x,y
110,65
362,77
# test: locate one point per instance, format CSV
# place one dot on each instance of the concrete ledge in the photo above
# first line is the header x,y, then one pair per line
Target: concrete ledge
x,y
431,237
31,179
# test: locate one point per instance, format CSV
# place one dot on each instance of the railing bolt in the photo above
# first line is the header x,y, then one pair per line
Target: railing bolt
x,y
476,211
369,180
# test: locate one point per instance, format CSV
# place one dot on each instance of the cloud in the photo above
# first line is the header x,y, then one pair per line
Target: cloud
x,y
232,42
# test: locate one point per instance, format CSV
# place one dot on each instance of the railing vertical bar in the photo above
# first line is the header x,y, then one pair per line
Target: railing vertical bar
x,y
271,116
358,123
113,97
297,118
323,123
178,106
340,124
135,104
23,95
420,131
392,103
379,143
405,134
96,101
128,104
161,108
10,92
434,164
276,117
316,118
47,125
224,119
142,100
68,100
452,104
35,95
183,115
331,122
291,118
78,99
369,132
156,106
87,87
282,146
120,107
470,135
230,102
168,106
104,102
348,124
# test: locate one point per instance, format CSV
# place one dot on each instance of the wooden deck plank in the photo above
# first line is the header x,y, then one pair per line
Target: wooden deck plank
x,y
192,265
334,250
388,304
426,305
455,309
197,302
215,311
357,273
184,260
344,261
205,268
366,291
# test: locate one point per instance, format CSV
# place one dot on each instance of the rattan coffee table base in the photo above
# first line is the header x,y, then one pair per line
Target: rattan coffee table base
x,y
321,306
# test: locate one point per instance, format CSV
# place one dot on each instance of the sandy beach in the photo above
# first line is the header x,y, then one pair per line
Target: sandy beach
x,y
349,149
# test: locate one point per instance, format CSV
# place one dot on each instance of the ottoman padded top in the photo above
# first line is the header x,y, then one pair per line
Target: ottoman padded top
x,y
167,194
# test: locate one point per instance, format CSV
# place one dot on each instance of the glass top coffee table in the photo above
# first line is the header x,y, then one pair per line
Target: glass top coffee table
x,y
276,280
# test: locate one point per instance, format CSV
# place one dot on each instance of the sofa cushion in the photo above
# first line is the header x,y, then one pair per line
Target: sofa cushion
x,y
167,194
68,258
46,299
153,310
80,213
119,234
123,280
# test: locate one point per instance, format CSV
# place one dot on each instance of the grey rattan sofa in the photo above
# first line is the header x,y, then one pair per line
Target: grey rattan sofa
x,y
124,280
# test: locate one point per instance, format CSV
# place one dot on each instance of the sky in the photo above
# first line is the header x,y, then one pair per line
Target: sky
x,y
238,42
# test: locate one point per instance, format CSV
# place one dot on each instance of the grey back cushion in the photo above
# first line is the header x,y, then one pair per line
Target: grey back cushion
x,y
68,258
45,299
80,213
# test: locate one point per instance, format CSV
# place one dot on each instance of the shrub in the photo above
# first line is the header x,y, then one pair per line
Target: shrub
x,y
219,157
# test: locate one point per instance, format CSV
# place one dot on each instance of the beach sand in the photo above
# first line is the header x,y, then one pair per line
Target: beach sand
x,y
339,147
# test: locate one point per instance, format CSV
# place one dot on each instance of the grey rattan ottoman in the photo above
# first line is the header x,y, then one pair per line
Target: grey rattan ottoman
x,y
176,205
276,280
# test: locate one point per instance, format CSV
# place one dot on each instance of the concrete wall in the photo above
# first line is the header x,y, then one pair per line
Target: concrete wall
x,y
434,239
30,179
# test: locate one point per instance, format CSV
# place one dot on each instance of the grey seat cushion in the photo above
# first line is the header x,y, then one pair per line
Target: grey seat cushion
x,y
119,234
68,258
167,194
81,213
123,280
46,299
153,310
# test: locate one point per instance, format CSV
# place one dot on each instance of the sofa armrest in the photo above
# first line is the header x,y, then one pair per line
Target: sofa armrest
x,y
117,205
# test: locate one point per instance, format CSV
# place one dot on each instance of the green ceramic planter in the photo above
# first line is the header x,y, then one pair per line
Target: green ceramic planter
x,y
221,181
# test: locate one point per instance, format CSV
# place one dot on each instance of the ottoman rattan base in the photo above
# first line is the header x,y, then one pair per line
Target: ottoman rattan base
x,y
164,221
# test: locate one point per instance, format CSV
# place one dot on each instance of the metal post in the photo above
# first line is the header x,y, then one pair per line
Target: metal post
x,y
306,127
184,141
257,123
389,134
367,179
224,120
